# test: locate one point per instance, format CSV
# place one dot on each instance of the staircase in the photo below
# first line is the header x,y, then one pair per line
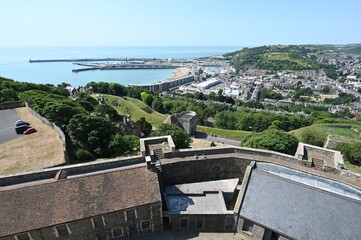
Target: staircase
x,y
158,154
317,164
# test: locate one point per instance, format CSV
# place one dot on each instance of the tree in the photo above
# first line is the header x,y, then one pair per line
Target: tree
x,y
180,137
147,98
117,89
123,144
351,151
145,126
91,133
325,89
107,111
86,101
274,140
313,136
157,105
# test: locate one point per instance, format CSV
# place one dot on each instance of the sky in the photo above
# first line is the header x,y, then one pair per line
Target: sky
x,y
178,23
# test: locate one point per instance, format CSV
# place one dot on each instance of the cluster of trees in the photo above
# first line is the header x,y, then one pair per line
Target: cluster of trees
x,y
9,89
272,139
343,98
302,92
116,89
266,93
88,126
180,137
248,120
351,151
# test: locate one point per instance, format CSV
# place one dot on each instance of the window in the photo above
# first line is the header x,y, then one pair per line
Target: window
x,y
24,236
145,225
131,215
247,227
274,236
117,232
98,222
62,230
102,236
200,223
184,223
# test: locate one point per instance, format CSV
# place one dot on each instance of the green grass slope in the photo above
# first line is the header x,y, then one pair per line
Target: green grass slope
x,y
135,108
349,131
239,134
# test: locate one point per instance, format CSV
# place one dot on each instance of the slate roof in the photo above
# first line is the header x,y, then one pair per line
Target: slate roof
x,y
300,205
199,198
32,207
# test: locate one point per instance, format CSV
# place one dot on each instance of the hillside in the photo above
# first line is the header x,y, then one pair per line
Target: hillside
x,y
280,58
135,108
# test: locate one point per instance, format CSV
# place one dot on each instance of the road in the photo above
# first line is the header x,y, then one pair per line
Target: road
x,y
8,118
217,139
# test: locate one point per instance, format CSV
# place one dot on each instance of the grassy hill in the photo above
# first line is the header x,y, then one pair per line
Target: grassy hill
x,y
351,132
280,58
223,132
135,108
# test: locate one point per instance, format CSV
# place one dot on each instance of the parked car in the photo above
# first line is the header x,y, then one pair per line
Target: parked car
x,y
21,129
29,130
21,123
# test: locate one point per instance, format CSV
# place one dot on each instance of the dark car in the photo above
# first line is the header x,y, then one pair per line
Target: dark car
x,y
21,123
29,130
21,129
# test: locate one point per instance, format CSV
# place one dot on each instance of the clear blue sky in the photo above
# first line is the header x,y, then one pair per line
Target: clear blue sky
x,y
178,23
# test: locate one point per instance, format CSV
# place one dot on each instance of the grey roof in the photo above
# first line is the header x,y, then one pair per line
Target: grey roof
x,y
200,198
301,205
227,185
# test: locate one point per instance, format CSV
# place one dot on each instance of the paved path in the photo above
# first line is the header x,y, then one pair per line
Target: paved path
x,y
8,118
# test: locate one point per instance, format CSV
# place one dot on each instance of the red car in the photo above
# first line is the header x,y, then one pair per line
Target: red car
x,y
29,130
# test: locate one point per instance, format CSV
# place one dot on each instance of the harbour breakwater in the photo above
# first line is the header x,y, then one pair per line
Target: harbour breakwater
x,y
92,60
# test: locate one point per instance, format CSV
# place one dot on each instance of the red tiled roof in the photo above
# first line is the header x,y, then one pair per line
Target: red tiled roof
x,y
37,206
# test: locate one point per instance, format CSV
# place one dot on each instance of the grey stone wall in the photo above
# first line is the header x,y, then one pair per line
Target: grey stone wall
x,y
83,229
210,222
71,169
11,105
200,170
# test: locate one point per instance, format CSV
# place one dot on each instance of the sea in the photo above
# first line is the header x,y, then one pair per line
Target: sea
x,y
14,63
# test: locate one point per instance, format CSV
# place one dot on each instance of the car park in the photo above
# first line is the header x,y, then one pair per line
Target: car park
x,y
29,130
21,129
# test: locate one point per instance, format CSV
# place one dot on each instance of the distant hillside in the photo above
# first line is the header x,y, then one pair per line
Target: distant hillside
x,y
281,58
355,50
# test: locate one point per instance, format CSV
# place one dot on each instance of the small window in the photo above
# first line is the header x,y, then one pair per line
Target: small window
x,y
200,223
62,230
131,214
145,225
184,223
24,236
247,227
102,236
117,232
98,222
274,236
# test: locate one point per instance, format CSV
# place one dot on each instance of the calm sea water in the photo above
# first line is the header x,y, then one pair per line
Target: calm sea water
x,y
14,63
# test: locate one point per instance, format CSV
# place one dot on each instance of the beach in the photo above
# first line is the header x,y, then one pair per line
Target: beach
x,y
181,72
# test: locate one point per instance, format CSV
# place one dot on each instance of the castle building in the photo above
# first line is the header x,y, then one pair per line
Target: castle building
x,y
252,193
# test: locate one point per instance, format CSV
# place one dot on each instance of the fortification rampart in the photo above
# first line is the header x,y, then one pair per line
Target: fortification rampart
x,y
71,170
11,105
57,130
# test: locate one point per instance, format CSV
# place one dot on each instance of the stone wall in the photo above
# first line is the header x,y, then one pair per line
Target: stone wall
x,y
11,105
71,169
210,222
83,229
57,130
199,170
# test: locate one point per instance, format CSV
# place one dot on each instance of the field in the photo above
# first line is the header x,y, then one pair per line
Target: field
x,y
239,134
31,152
352,167
351,131
135,108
